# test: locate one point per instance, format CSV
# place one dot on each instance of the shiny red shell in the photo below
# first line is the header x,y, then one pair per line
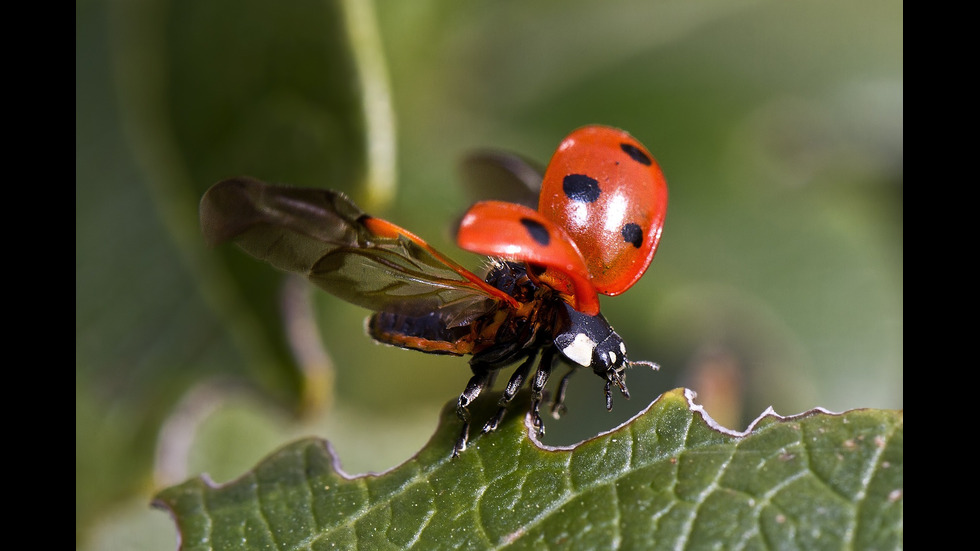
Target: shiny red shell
x,y
609,195
510,230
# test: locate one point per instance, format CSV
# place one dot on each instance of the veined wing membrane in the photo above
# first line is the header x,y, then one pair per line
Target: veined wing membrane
x,y
323,235
396,274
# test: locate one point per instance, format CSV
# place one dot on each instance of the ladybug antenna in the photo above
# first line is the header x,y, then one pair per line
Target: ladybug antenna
x,y
651,365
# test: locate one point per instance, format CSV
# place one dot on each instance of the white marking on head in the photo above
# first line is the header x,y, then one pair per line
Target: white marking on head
x,y
580,350
612,357
622,347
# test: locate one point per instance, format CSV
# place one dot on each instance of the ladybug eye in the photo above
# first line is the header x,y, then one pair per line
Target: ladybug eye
x,y
633,234
579,187
536,230
636,154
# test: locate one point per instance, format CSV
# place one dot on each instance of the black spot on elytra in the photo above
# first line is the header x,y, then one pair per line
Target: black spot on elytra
x,y
636,153
579,187
633,234
537,231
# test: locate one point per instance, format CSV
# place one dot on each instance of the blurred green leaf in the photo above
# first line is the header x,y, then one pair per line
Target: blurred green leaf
x,y
254,88
172,96
670,478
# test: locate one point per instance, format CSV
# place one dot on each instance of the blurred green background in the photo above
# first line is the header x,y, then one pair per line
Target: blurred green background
x,y
779,279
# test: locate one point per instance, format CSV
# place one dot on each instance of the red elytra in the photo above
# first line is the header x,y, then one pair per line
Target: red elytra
x,y
515,231
602,190
608,193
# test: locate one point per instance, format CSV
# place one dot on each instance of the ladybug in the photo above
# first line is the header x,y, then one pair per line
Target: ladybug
x,y
594,228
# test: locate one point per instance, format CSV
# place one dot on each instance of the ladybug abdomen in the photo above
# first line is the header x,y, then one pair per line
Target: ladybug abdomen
x,y
428,333
442,332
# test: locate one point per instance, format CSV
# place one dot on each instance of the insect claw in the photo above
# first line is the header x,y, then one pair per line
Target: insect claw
x,y
460,446
494,421
461,411
536,420
558,404
622,386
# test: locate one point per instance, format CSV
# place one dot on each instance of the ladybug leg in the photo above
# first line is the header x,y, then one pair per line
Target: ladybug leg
x,y
558,404
513,386
537,386
481,378
619,382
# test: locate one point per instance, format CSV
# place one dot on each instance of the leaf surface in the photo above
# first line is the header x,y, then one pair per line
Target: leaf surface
x,y
670,478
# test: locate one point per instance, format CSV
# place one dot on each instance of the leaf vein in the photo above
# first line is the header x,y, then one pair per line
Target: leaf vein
x,y
680,451
688,529
478,500
617,524
418,533
353,518
569,495
262,515
206,504
823,481
862,493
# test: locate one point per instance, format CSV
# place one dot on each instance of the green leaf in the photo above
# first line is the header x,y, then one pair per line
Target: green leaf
x,y
670,478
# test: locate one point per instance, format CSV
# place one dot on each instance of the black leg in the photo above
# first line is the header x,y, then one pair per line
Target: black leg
x,y
558,404
479,381
537,386
622,388
621,384
517,380
513,386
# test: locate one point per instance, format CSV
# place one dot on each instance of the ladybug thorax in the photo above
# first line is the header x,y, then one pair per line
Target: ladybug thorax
x,y
513,330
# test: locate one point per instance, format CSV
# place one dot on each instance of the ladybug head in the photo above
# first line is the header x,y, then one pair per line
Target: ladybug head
x,y
609,359
590,341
